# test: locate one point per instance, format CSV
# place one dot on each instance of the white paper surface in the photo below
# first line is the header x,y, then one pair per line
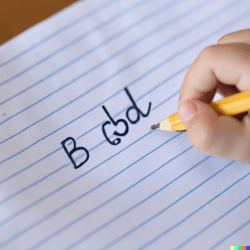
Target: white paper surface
x,y
153,190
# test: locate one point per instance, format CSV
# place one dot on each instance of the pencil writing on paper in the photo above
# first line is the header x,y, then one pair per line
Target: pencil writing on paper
x,y
111,121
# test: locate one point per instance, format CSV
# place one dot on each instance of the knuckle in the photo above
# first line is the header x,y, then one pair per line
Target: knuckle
x,y
207,52
223,38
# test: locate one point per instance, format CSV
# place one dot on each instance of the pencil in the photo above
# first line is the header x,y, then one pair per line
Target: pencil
x,y
231,105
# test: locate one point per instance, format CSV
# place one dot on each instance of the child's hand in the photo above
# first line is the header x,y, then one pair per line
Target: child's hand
x,y
225,68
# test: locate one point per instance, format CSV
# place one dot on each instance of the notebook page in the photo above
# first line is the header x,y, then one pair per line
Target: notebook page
x,y
79,166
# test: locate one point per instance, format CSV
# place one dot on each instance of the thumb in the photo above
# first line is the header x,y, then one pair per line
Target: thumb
x,y
223,136
205,127
195,114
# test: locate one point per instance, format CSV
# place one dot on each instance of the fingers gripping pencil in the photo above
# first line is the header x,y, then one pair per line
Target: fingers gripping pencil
x,y
232,105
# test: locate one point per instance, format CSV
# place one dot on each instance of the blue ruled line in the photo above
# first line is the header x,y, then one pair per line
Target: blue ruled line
x,y
99,144
36,223
116,196
231,234
122,32
45,177
43,158
159,65
57,170
127,47
167,231
67,184
138,204
162,211
97,126
112,19
210,225
85,16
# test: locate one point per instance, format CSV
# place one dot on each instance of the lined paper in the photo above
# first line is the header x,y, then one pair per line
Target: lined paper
x,y
96,68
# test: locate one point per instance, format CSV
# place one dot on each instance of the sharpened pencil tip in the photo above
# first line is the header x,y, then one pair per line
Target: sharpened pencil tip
x,y
155,126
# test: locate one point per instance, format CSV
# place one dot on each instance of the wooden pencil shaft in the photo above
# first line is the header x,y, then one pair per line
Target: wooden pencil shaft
x,y
231,105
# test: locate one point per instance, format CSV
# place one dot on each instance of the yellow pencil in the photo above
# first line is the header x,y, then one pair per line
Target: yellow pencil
x,y
231,105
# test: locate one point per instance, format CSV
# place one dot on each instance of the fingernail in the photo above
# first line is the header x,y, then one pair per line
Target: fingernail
x,y
187,109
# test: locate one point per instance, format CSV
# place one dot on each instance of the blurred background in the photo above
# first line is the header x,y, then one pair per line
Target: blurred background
x,y
17,16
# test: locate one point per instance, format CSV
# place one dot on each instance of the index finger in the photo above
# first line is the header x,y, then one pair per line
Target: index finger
x,y
222,63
